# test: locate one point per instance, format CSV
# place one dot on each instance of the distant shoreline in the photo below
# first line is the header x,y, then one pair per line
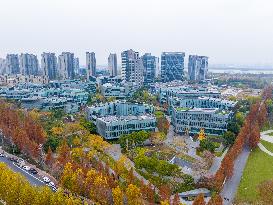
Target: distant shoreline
x,y
242,70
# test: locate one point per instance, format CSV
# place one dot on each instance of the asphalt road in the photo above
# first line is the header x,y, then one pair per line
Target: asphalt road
x,y
32,179
230,187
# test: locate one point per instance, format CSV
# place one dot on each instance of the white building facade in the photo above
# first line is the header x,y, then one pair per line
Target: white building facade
x,y
116,118
132,68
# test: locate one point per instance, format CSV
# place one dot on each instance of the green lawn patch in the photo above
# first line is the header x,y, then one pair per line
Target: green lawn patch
x,y
159,114
268,145
182,108
186,157
270,134
259,168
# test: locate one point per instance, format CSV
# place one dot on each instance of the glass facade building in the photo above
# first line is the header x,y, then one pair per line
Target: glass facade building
x,y
149,63
172,66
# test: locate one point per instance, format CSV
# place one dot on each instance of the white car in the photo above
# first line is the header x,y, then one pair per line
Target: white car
x,y
51,184
2,155
27,168
19,160
46,179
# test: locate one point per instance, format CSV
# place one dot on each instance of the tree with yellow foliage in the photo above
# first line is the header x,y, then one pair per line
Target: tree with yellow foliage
x,y
165,202
202,135
120,165
133,195
66,179
14,189
96,142
58,131
102,192
117,196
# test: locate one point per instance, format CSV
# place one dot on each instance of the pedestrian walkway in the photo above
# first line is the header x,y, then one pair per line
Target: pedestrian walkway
x,y
266,137
217,163
264,149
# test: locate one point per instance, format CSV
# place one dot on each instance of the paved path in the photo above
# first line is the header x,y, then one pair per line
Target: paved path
x,y
263,148
265,136
216,163
230,187
191,145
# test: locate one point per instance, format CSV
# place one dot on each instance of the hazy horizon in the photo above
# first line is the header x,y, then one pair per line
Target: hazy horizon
x,y
227,31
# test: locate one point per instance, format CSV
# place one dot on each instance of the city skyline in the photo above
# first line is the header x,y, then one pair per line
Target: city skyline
x,y
229,32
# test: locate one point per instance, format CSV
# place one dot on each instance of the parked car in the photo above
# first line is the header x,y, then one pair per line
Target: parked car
x,y
13,159
27,168
2,155
33,171
46,179
19,160
54,189
51,184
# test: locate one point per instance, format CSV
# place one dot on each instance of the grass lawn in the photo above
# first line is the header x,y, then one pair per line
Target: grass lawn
x,y
186,157
159,114
259,168
270,134
268,145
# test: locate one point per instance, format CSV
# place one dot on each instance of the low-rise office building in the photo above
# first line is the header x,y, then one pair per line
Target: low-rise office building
x,y
191,120
115,90
190,115
13,80
201,102
120,117
112,127
56,95
181,89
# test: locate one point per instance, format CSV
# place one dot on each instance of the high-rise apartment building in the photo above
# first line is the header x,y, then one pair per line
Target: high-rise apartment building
x,y
132,68
3,66
149,63
90,64
76,65
29,64
172,66
66,65
197,67
49,65
12,63
157,68
112,64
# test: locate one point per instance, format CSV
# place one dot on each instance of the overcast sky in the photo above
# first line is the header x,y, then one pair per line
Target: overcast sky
x,y
228,31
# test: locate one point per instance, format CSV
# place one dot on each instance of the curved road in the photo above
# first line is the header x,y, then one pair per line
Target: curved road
x,y
32,179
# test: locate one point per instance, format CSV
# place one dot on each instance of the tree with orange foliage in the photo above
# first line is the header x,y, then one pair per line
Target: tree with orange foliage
x,y
150,194
63,154
49,157
262,115
215,200
176,199
219,178
165,193
130,176
199,200
147,192
228,164
254,137
163,124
